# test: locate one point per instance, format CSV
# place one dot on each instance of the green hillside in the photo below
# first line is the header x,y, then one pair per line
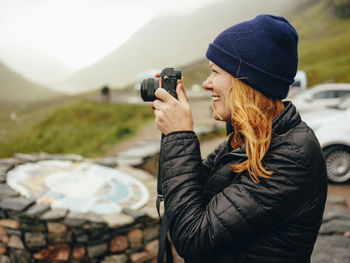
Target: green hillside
x,y
15,88
324,32
82,127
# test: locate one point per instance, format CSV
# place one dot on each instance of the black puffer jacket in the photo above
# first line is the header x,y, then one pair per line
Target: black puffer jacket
x,y
217,215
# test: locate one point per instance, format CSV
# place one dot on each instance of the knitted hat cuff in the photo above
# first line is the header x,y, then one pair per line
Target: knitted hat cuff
x,y
241,69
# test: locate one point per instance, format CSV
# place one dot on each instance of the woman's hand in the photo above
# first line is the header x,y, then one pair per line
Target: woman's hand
x,y
172,114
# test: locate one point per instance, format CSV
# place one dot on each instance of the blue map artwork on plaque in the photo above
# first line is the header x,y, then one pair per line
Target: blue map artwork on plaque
x,y
80,187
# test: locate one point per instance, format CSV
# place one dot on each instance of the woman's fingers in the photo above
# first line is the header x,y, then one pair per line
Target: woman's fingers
x,y
157,104
181,92
163,95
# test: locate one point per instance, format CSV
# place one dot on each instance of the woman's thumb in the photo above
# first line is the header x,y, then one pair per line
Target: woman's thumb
x,y
181,92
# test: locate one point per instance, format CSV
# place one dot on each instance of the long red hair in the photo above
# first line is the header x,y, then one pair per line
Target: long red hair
x,y
252,114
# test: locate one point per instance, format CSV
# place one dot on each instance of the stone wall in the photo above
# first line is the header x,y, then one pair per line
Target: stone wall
x,y
31,232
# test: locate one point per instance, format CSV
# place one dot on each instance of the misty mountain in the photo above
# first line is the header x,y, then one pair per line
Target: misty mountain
x,y
35,65
15,88
168,41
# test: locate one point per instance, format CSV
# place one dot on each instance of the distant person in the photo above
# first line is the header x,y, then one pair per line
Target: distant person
x,y
105,94
260,195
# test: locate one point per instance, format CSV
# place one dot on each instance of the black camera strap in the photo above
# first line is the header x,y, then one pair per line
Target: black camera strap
x,y
164,243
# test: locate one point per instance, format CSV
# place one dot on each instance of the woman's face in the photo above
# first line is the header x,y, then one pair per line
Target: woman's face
x,y
219,84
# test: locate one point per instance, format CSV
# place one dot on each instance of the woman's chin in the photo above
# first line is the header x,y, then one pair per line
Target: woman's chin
x,y
217,117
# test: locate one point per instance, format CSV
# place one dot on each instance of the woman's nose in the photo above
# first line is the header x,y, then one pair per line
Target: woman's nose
x,y
206,85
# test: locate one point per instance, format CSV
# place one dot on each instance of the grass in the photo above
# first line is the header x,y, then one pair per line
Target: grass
x,y
83,127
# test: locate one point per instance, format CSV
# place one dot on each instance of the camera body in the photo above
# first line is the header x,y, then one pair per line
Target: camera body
x,y
168,81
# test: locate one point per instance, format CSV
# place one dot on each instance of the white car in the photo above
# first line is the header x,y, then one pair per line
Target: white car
x,y
299,84
332,128
320,96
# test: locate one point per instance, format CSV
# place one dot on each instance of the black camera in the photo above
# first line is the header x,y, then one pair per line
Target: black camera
x,y
168,81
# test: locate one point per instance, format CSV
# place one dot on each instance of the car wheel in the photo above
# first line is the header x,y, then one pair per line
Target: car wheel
x,y
338,164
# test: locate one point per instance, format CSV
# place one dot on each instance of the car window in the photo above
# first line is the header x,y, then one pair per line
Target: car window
x,y
342,93
330,94
321,95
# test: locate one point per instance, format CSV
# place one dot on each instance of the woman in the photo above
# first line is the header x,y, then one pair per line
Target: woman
x,y
260,196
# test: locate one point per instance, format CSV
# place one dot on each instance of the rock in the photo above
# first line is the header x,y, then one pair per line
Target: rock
x,y
60,238
56,228
19,255
42,156
95,218
100,235
119,244
67,157
337,226
7,192
2,213
4,259
324,241
3,174
336,215
107,161
78,252
151,233
59,252
16,204
75,219
140,257
135,237
3,250
152,248
11,162
15,242
97,250
331,254
81,236
3,235
117,220
129,161
37,210
10,223
54,214
15,232
136,214
25,157
115,259
34,239
331,208
336,200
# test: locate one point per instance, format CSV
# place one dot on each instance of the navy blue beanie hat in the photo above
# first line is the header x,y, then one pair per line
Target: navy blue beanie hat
x,y
261,52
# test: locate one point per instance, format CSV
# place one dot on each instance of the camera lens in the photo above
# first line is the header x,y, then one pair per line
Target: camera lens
x,y
148,88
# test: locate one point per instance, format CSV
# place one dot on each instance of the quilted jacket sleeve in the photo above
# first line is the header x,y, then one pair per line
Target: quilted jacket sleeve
x,y
236,214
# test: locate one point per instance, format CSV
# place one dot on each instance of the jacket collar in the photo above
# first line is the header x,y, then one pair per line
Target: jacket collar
x,y
287,120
